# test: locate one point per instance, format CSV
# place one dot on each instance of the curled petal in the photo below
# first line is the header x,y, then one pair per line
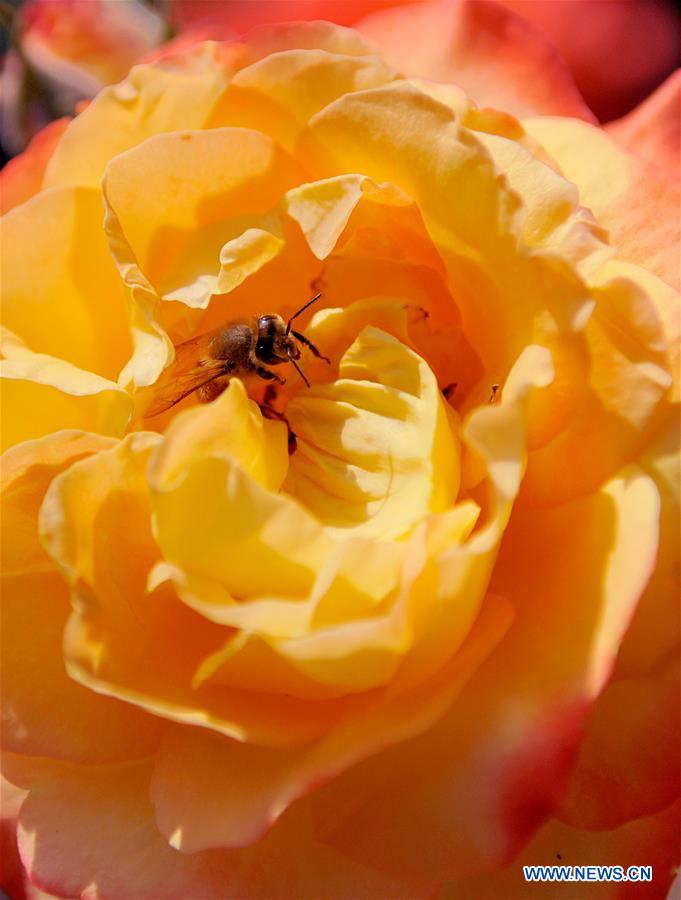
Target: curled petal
x,y
636,201
176,238
279,93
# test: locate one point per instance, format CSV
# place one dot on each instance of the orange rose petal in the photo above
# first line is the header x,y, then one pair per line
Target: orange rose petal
x,y
648,841
637,202
45,713
554,220
619,385
482,779
176,237
280,36
497,57
22,177
75,830
667,305
323,208
177,93
656,628
628,760
61,293
382,133
653,129
237,810
277,95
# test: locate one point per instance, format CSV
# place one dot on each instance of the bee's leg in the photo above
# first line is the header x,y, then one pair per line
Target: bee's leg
x,y
269,396
308,343
268,375
269,413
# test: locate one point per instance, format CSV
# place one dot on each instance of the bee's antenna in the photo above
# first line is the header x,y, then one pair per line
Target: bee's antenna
x,y
297,367
295,316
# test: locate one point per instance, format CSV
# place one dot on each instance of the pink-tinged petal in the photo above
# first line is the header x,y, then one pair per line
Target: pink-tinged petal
x,y
78,47
243,789
636,201
14,881
22,177
482,779
653,129
617,50
90,832
496,56
12,874
628,760
45,713
244,14
649,841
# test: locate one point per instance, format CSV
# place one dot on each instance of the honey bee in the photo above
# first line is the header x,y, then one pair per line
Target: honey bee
x,y
206,363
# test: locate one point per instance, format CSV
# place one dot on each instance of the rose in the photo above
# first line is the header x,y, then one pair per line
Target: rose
x,y
445,625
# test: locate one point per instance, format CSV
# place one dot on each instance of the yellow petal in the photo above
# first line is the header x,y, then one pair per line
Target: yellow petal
x,y
175,236
376,449
397,134
618,380
41,394
230,428
323,208
61,293
177,93
277,94
554,221
273,780
667,304
214,519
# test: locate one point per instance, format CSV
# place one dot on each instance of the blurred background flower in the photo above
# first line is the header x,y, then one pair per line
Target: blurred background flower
x,y
60,53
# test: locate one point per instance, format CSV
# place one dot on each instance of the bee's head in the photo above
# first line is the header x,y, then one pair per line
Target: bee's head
x,y
274,345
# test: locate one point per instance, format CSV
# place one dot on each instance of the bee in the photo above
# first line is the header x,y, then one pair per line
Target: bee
x,y
205,364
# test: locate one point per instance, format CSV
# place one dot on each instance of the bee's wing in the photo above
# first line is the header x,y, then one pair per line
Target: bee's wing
x,y
182,386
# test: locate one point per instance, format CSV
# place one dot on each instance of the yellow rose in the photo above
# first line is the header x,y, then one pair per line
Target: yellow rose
x,y
437,624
